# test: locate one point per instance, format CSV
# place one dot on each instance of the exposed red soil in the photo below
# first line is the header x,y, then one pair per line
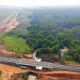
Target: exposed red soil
x,y
9,71
6,53
46,75
60,75
49,75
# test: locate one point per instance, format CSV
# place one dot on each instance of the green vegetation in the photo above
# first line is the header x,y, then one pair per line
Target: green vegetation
x,y
0,73
16,79
17,45
25,76
48,31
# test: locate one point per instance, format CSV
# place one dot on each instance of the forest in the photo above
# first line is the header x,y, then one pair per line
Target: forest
x,y
47,30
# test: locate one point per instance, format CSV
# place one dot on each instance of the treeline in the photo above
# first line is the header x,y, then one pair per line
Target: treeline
x,y
49,31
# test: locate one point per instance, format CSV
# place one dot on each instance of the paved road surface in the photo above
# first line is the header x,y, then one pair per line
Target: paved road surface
x,y
51,66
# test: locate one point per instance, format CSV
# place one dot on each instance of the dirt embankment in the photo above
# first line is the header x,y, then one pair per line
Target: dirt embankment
x,y
59,75
7,70
4,52
10,71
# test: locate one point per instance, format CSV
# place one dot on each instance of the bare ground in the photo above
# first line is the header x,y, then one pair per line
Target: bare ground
x,y
8,71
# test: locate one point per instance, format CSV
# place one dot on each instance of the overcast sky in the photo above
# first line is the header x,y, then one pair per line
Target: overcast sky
x,y
41,3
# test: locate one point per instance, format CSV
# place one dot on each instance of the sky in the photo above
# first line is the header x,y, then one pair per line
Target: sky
x,y
40,3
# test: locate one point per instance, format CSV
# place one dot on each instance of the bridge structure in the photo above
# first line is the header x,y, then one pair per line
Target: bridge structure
x,y
47,65
9,20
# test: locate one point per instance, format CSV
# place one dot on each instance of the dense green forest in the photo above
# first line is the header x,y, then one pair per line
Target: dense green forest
x,y
47,30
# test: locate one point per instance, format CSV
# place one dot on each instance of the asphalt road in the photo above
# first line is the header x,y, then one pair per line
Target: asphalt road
x,y
51,66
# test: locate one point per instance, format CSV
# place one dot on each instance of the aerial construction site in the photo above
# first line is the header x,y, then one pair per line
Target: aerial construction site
x,y
39,44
